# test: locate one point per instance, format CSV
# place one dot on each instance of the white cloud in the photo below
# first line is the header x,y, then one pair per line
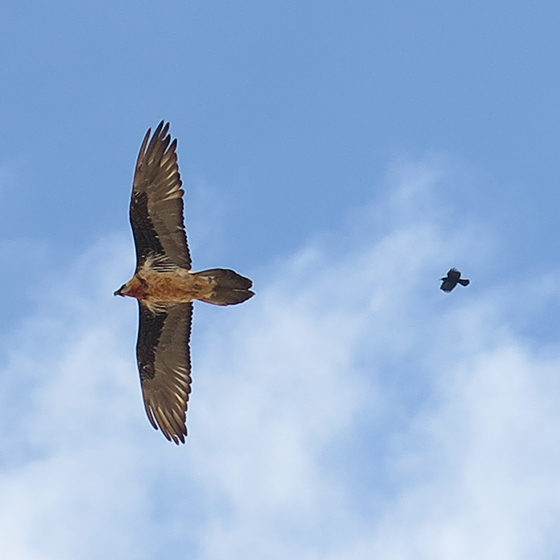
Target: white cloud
x,y
350,410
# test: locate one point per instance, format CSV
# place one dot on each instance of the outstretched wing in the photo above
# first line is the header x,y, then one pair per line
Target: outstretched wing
x,y
156,205
164,363
447,285
453,274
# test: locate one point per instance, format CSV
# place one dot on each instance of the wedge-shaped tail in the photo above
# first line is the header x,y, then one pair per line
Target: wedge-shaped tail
x,y
229,287
464,281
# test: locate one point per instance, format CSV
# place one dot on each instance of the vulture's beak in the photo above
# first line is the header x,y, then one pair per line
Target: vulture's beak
x,y
118,293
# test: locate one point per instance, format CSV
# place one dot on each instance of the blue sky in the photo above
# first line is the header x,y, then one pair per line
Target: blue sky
x,y
344,155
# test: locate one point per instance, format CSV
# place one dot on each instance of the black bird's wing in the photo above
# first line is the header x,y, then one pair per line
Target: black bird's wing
x,y
156,205
448,284
454,274
164,363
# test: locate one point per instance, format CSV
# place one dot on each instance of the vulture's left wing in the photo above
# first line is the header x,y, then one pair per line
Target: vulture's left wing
x,y
156,205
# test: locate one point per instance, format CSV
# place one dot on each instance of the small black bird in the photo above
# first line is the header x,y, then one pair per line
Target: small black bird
x,y
452,279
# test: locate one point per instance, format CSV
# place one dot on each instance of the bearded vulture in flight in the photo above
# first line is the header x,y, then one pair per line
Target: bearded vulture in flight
x,y
452,279
165,285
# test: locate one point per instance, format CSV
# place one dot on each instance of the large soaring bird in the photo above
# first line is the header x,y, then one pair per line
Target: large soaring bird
x,y
452,279
165,286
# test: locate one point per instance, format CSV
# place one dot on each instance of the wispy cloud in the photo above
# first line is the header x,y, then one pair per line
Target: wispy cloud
x,y
350,410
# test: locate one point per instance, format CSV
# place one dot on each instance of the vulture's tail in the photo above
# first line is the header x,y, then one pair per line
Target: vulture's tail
x,y
464,282
229,287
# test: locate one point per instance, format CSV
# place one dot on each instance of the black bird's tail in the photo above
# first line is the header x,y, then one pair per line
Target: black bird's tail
x,y
229,287
464,281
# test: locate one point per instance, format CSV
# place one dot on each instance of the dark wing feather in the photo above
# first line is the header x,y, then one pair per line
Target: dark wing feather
x,y
453,274
165,367
447,285
156,205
